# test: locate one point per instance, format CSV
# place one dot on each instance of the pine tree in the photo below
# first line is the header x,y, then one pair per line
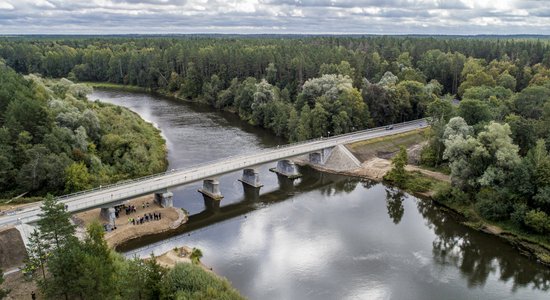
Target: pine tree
x,y
37,254
397,174
54,225
97,263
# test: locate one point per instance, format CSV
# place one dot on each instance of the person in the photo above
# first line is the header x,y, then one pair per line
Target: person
x,y
33,295
160,217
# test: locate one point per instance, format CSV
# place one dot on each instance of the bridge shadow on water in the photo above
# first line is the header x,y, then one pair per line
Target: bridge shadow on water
x,y
252,200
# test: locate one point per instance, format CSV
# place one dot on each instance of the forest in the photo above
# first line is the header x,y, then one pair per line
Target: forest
x,y
53,140
488,99
67,267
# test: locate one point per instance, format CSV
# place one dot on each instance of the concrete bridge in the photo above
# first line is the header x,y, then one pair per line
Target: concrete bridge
x,y
319,151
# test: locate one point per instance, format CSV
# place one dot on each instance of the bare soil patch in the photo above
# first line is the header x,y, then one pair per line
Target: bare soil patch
x,y
171,218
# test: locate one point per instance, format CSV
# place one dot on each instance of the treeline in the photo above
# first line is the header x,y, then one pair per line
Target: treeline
x,y
65,267
348,83
52,140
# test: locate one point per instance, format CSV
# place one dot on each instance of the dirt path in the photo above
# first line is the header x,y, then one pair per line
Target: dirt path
x,y
436,175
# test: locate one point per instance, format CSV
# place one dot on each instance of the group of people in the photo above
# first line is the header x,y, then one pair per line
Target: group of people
x,y
128,209
145,218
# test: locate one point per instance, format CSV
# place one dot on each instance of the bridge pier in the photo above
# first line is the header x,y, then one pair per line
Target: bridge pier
x,y
164,199
109,214
285,184
211,189
251,177
286,168
210,204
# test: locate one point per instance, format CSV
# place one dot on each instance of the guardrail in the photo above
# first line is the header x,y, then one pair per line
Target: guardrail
x,y
139,179
226,164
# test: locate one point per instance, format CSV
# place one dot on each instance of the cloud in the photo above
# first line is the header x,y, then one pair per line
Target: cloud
x,y
6,5
275,16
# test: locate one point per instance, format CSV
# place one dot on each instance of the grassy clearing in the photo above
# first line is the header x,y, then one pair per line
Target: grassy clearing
x,y
386,145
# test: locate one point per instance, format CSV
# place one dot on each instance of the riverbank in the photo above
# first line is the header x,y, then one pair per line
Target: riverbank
x,y
134,88
375,157
171,218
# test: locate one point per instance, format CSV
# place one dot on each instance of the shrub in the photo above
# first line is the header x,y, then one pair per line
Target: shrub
x,y
449,194
518,214
491,206
428,157
537,221
418,184
189,281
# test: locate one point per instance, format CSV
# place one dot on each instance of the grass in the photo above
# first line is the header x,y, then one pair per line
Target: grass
x,y
117,86
445,169
420,183
388,144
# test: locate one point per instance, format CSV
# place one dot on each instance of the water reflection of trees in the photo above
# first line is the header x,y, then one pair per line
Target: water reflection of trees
x,y
333,184
477,255
394,204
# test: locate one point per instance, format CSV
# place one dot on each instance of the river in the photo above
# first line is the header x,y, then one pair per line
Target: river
x,y
322,236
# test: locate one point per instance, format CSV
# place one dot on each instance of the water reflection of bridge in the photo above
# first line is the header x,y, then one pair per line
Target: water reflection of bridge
x,y
251,200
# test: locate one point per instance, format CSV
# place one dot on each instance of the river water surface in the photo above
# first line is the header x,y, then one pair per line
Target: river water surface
x,y
323,236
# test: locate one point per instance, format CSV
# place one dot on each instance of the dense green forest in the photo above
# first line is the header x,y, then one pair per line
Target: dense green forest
x,y
52,140
488,99
65,267
267,81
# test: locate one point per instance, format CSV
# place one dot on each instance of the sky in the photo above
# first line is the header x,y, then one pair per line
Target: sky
x,y
462,17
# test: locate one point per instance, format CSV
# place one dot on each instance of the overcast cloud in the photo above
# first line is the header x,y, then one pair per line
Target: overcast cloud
x,y
275,16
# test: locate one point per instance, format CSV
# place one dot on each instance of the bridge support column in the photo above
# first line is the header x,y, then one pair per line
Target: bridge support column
x,y
109,214
164,199
211,189
210,204
286,168
251,177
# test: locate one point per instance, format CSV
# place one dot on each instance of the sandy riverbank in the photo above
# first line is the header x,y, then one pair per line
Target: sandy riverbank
x,y
172,218
178,255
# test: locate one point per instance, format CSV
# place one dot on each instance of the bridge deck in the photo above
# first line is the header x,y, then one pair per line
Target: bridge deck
x,y
131,189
